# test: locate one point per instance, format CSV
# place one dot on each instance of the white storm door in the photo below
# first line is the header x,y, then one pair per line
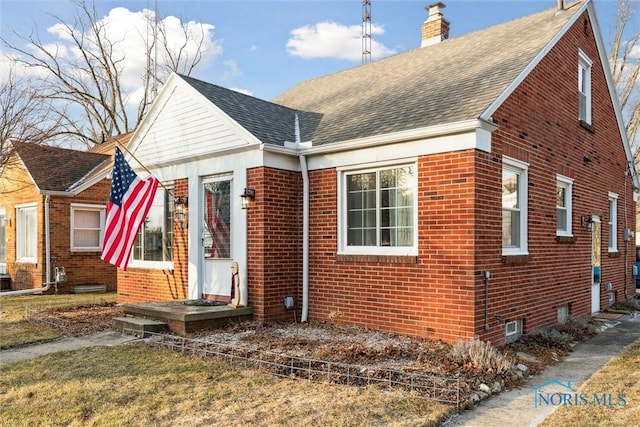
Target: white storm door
x,y
596,264
217,221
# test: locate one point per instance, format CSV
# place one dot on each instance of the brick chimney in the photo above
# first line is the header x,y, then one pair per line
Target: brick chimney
x,y
435,28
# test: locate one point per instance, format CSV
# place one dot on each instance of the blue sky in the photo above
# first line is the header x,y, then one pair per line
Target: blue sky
x,y
264,47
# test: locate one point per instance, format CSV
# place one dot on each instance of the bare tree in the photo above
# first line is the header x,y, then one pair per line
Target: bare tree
x,y
24,115
85,90
625,66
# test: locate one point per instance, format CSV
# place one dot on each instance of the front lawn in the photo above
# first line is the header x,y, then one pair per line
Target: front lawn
x,y
144,386
17,331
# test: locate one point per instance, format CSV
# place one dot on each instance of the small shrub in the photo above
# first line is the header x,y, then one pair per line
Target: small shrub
x,y
481,355
632,304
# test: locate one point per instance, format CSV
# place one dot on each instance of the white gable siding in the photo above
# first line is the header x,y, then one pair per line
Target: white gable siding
x,y
187,126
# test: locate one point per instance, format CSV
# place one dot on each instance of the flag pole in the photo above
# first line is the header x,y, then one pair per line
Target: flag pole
x,y
141,164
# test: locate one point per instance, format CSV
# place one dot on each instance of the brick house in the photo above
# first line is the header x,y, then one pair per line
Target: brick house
x,y
476,186
52,212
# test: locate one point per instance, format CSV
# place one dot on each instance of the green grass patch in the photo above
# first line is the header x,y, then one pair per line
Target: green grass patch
x,y
620,376
145,386
17,331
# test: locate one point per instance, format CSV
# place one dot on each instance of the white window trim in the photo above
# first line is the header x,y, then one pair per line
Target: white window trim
x,y
613,222
19,240
567,184
343,248
87,207
153,265
522,168
587,64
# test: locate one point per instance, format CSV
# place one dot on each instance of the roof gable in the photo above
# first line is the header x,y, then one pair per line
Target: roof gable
x,y
57,169
268,122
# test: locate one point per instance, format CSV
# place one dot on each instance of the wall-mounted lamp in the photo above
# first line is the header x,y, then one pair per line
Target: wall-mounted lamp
x,y
247,197
586,222
181,211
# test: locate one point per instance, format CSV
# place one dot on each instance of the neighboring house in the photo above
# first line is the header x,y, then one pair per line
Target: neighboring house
x,y
480,186
52,208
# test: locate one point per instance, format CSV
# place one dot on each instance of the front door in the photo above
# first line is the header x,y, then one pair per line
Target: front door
x,y
596,264
216,238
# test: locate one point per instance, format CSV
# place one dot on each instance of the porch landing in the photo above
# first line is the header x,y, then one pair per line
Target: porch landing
x,y
182,318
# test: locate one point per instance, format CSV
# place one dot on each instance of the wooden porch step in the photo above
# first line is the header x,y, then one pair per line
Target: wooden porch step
x,y
137,326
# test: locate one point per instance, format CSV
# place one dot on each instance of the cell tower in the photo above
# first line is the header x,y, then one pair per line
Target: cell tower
x,y
366,31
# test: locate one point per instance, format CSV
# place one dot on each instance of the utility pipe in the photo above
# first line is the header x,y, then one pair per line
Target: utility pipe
x,y
47,248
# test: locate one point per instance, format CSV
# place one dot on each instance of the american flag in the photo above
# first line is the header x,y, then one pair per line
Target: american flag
x,y
129,203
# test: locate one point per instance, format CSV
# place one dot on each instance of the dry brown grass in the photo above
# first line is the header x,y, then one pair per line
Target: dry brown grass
x,y
143,386
17,331
620,376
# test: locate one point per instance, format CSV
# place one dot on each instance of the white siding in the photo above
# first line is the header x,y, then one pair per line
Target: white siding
x,y
187,126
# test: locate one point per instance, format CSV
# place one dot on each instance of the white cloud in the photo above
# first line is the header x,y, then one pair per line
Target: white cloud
x,y
245,91
231,69
129,31
333,40
253,48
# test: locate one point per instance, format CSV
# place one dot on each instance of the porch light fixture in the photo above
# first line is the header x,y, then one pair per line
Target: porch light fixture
x,y
181,211
247,197
586,222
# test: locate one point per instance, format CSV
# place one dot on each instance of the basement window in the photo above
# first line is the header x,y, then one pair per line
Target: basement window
x,y
512,331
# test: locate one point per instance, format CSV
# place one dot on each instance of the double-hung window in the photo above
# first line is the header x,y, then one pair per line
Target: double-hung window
x,y
613,223
27,233
378,213
514,207
153,246
87,225
584,87
564,190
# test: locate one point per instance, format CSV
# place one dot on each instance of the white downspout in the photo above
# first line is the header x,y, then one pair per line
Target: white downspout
x,y
305,225
305,238
47,250
47,243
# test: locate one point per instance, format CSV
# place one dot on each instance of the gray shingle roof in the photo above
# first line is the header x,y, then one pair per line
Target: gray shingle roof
x,y
451,81
57,169
269,122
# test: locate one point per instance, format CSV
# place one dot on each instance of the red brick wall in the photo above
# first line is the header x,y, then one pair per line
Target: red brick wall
x,y
539,124
275,242
81,267
428,295
146,285
441,294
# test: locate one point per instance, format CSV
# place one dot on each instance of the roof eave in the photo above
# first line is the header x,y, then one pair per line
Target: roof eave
x,y
453,128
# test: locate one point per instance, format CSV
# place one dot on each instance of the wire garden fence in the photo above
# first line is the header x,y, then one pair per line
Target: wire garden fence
x,y
439,388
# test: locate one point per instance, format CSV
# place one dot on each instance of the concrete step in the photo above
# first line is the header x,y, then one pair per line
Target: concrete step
x,y
137,326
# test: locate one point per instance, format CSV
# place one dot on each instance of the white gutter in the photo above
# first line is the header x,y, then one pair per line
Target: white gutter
x,y
428,132
47,250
